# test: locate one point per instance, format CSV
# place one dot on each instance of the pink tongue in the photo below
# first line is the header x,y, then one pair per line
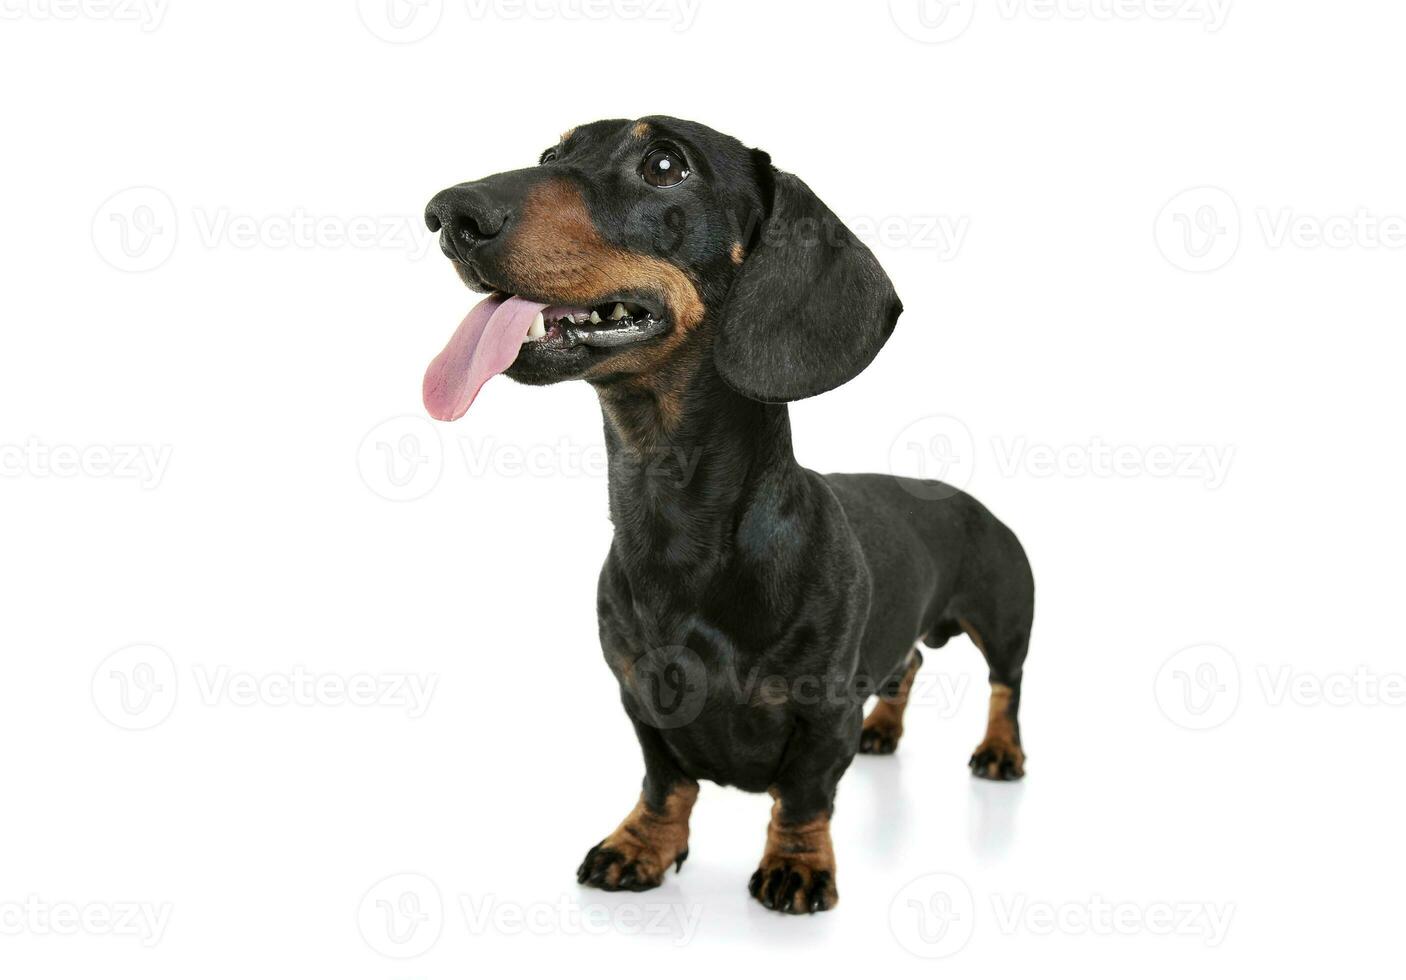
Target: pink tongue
x,y
485,344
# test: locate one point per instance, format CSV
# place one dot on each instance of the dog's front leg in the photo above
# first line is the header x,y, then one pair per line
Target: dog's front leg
x,y
655,833
797,870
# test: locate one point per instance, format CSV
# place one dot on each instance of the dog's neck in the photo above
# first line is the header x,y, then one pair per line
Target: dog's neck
x,y
688,456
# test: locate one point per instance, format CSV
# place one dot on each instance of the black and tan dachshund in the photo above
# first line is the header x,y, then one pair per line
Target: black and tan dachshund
x,y
748,606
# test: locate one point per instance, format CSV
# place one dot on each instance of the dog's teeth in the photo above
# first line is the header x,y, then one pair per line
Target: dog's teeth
x,y
619,312
595,317
538,328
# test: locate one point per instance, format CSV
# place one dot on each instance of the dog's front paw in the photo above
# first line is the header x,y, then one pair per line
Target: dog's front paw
x,y
999,759
651,838
879,738
626,866
794,886
797,873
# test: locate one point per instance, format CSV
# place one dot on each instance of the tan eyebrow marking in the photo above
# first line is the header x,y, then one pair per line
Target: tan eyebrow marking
x,y
567,135
738,252
639,130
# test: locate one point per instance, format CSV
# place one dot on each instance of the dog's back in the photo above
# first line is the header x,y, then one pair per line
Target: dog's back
x,y
941,564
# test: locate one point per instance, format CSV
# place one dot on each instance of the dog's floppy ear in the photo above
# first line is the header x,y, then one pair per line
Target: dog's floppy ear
x,y
810,307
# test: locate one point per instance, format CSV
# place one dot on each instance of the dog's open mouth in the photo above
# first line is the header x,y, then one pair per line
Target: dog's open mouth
x,y
491,337
612,324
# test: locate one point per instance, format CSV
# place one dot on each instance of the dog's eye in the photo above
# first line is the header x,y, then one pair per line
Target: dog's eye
x,y
547,156
663,168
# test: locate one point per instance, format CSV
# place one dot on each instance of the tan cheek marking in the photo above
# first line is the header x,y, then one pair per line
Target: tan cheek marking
x,y
738,253
557,252
639,130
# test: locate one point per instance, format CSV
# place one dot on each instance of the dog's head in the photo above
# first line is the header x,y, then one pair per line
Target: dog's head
x,y
633,244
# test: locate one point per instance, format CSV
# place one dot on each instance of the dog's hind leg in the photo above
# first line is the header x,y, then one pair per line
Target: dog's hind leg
x,y
1000,755
884,726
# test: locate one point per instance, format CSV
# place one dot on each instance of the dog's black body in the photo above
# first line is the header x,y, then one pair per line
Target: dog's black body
x,y
747,605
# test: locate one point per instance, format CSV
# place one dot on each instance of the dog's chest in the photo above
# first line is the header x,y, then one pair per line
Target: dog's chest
x,y
720,714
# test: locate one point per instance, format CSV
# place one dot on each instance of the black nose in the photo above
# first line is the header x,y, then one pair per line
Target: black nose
x,y
468,217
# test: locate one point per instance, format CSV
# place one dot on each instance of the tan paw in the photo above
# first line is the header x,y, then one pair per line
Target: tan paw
x,y
999,759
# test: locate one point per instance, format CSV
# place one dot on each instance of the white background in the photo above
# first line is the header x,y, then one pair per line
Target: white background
x,y
1080,307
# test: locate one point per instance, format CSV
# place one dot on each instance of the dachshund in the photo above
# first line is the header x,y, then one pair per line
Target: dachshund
x,y
748,607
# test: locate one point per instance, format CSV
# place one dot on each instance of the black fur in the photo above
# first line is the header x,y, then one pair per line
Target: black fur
x,y
779,336
748,605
